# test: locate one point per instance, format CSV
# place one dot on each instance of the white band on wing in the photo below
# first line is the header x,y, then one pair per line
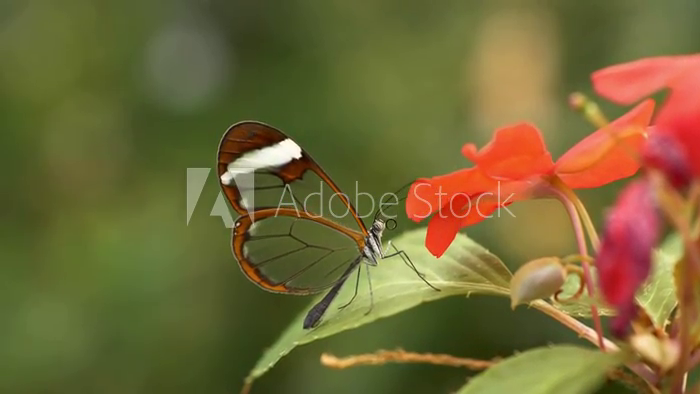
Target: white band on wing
x,y
275,155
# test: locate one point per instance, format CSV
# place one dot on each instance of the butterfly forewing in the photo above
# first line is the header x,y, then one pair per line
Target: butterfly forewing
x,y
260,167
297,232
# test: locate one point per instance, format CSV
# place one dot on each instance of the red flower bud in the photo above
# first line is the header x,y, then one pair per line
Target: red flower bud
x,y
664,153
624,260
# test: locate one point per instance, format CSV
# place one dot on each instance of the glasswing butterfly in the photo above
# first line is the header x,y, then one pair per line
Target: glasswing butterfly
x,y
284,242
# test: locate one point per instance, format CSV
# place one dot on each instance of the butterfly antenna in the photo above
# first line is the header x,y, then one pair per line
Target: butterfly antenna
x,y
396,193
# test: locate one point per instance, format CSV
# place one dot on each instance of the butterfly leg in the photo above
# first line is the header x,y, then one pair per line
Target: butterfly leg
x,y
389,245
407,261
357,286
371,293
404,257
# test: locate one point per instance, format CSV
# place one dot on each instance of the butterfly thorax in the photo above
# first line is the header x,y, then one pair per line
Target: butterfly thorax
x,y
372,251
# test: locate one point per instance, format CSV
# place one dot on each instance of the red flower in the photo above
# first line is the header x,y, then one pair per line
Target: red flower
x,y
514,165
680,115
624,258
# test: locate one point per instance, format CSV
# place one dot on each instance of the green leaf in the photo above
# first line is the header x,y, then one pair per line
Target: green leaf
x,y
464,269
552,370
658,296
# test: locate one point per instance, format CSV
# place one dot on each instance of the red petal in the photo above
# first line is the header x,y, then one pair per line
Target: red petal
x,y
443,228
680,116
427,196
479,211
628,82
620,323
664,152
514,152
465,210
608,154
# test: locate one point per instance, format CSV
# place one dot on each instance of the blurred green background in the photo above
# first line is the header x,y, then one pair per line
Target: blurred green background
x,y
105,287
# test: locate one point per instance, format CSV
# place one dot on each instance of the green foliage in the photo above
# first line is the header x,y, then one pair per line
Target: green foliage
x,y
551,370
104,104
581,307
657,296
466,268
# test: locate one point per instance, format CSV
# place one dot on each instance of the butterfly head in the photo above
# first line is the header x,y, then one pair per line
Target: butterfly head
x,y
378,227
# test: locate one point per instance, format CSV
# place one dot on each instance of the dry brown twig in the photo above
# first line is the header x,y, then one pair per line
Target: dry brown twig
x,y
401,356
383,357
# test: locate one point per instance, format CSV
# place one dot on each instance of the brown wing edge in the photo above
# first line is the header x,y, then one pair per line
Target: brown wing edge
x,y
254,135
238,239
287,173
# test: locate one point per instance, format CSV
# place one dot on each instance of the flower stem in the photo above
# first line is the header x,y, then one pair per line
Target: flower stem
x,y
694,361
592,336
581,209
582,330
558,190
588,224
671,204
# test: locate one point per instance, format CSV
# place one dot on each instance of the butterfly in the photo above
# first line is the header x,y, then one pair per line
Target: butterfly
x,y
284,242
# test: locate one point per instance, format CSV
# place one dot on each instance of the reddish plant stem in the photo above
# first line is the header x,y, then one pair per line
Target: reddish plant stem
x,y
582,330
587,333
672,205
686,302
583,251
694,360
